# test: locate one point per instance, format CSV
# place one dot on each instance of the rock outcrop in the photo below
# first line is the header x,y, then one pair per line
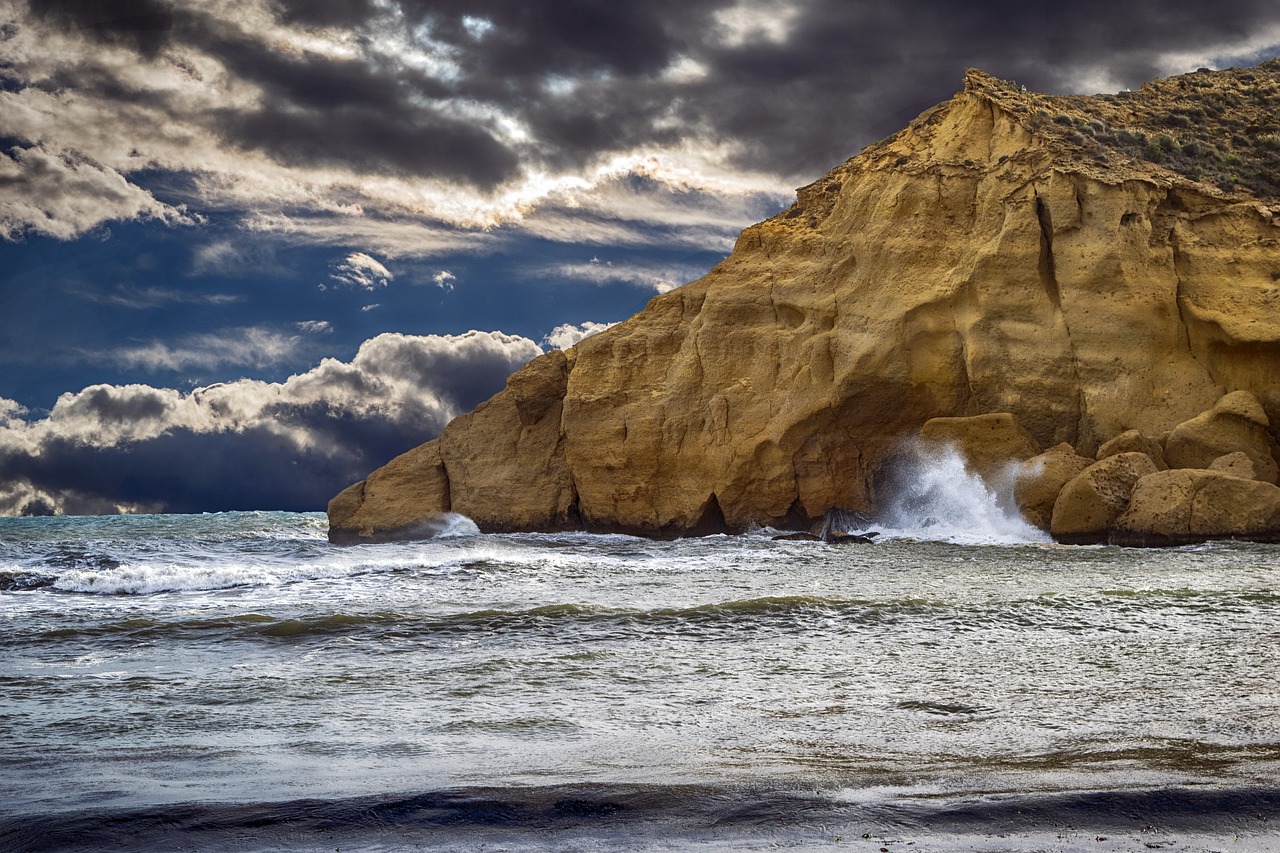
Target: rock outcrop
x,y
1007,252
1185,505
1090,503
1236,424
990,443
1132,441
1039,480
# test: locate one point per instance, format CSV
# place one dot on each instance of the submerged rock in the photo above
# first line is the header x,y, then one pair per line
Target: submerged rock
x,y
837,537
797,536
989,258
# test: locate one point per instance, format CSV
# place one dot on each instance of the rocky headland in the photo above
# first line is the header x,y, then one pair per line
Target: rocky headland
x,y
1087,288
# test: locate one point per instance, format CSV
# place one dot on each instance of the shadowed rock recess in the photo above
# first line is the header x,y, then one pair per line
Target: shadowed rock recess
x,y
1089,266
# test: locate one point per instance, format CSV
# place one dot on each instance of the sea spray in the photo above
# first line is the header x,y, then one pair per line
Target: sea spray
x,y
454,524
936,497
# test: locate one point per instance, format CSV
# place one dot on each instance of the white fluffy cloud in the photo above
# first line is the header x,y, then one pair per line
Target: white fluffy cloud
x,y
660,278
361,271
60,194
248,443
444,280
567,334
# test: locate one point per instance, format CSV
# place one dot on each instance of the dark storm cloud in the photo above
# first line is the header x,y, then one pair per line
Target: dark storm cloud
x,y
368,115
849,73
308,81
373,141
248,444
186,471
480,93
840,75
143,24
570,37
324,13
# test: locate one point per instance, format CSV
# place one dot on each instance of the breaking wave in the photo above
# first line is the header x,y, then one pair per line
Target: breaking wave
x,y
937,498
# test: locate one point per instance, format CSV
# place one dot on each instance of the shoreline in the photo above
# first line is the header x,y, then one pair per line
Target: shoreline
x,y
673,817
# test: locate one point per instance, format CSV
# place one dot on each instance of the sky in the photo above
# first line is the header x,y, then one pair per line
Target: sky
x,y
252,249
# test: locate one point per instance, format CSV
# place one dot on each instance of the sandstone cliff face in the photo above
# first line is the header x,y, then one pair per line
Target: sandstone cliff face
x,y
979,261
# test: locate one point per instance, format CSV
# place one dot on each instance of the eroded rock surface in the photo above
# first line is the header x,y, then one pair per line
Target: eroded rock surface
x,y
987,258
1185,505
1236,424
1040,479
1090,503
1237,464
1132,441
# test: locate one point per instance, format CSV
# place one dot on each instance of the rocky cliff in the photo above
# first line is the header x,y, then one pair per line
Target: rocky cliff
x,y
1088,265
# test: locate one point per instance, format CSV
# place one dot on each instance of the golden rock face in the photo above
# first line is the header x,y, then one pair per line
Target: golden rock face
x,y
979,261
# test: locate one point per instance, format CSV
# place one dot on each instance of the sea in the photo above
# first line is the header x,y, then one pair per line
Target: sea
x,y
235,682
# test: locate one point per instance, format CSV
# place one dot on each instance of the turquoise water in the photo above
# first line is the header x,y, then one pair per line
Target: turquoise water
x,y
235,681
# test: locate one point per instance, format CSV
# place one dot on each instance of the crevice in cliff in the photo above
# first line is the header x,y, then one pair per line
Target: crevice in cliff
x,y
796,518
1179,302
962,352
1053,290
991,137
1048,274
364,490
572,517
573,512
710,520
970,397
448,487
1177,294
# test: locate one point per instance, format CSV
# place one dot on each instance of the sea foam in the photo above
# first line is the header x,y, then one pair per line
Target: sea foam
x,y
938,498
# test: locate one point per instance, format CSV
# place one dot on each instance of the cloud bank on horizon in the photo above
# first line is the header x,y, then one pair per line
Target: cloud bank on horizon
x,y
325,178
246,444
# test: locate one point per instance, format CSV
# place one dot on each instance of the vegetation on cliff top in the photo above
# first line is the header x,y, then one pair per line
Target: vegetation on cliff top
x,y
1216,127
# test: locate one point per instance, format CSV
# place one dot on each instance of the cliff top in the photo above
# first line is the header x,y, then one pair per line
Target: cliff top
x,y
1215,132
1220,128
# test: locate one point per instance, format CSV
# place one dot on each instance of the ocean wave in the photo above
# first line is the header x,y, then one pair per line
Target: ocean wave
x,y
569,621
798,615
126,579
147,565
